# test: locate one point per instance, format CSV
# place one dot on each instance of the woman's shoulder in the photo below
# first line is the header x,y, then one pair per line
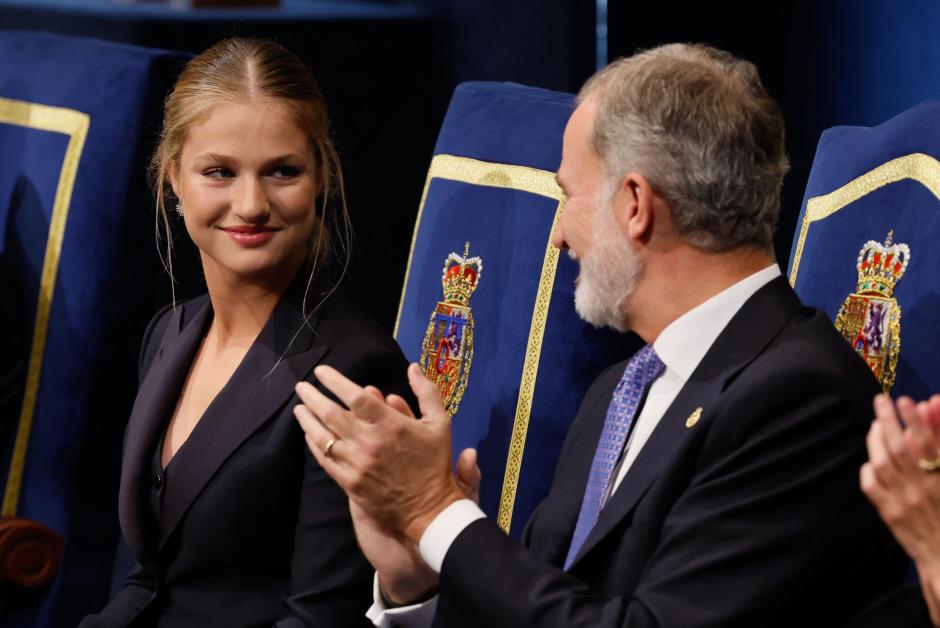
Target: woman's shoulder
x,y
362,349
353,334
345,321
151,339
156,328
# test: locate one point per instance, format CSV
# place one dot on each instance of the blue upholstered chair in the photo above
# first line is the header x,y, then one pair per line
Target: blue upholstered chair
x,y
865,250
81,278
487,307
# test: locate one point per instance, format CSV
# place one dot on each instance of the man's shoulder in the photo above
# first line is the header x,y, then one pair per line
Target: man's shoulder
x,y
809,343
779,334
806,376
780,365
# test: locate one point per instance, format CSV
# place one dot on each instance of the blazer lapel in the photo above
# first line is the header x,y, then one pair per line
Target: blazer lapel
x,y
285,352
758,321
156,399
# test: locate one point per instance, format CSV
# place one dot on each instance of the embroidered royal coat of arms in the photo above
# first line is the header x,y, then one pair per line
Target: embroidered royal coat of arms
x,y
447,350
870,318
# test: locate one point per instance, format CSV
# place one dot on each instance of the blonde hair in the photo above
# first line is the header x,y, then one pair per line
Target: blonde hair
x,y
698,123
237,70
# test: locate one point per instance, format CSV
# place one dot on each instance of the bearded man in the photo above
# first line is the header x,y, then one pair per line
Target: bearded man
x,y
710,480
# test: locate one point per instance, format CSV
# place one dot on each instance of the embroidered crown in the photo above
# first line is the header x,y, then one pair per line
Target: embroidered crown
x,y
461,274
880,266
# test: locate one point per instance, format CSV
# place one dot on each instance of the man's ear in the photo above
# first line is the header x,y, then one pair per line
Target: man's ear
x,y
633,206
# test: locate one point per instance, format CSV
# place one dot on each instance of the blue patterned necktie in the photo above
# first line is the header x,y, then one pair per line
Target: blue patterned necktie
x,y
643,368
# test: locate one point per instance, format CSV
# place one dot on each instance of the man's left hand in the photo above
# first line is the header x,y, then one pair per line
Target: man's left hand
x,y
396,468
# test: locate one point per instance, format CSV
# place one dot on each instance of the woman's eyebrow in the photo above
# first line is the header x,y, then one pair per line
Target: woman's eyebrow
x,y
214,157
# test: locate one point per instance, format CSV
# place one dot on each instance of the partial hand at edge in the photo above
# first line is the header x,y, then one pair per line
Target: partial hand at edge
x,y
906,496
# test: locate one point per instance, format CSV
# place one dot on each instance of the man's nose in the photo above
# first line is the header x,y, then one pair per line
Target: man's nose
x,y
558,235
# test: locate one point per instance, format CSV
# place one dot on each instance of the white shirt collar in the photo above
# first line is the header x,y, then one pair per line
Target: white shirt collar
x,y
685,341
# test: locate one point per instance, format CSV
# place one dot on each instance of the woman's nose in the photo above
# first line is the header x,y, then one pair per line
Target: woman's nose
x,y
251,202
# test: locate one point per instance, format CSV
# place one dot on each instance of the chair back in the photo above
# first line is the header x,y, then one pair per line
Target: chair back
x,y
81,278
864,249
487,308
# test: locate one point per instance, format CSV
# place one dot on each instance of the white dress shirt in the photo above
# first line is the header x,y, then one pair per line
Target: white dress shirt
x,y
680,347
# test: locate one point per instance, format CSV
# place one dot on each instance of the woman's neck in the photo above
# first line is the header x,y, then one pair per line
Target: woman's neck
x,y
241,305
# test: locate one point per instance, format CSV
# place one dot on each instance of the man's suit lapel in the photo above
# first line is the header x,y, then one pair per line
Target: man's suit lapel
x,y
758,321
156,399
285,352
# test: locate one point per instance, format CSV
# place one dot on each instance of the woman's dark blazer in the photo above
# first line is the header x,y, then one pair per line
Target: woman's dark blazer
x,y
253,531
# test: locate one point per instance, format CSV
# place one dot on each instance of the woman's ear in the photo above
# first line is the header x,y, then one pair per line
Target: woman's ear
x,y
171,175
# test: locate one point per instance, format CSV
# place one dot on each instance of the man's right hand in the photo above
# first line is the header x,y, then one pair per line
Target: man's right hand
x,y
403,576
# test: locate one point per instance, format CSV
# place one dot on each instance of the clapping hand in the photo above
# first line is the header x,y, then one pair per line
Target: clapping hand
x,y
395,469
902,480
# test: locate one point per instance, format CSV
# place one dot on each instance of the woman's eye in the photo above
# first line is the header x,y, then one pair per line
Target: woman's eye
x,y
218,173
286,172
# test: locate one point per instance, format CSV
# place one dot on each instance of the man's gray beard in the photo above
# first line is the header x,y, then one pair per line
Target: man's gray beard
x,y
608,275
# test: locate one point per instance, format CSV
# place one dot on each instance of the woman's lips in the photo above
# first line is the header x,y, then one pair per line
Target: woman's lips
x,y
250,236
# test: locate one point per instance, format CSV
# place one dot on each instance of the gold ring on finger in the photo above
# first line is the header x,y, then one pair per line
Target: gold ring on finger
x,y
328,447
930,465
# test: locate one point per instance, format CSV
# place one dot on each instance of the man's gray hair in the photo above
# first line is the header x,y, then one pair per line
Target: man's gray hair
x,y
699,125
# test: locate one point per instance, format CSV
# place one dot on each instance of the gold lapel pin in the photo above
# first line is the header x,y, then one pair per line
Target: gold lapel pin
x,y
694,417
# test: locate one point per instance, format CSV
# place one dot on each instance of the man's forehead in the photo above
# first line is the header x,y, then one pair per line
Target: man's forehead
x,y
575,144
582,118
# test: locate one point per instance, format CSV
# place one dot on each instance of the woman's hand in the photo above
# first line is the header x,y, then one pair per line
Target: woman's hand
x,y
902,480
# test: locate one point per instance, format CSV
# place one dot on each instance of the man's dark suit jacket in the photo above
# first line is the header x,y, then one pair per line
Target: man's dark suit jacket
x,y
751,516
253,530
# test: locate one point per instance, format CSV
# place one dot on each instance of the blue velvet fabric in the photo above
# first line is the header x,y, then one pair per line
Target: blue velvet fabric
x,y
100,297
509,229
827,271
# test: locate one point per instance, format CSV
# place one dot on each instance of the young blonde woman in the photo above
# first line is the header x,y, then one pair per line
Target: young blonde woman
x,y
232,520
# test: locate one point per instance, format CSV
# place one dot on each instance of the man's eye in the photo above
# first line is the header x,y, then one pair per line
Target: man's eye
x,y
218,173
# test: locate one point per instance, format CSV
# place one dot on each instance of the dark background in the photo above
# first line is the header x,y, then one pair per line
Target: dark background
x,y
388,68
828,63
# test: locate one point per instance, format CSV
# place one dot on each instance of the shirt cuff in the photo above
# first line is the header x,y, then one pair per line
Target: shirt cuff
x,y
440,535
411,616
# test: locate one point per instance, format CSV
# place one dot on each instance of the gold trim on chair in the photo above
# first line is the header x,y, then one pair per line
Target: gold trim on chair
x,y
534,181
917,166
530,369
75,125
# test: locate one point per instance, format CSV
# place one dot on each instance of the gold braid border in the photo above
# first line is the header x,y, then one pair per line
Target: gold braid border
x,y
534,181
917,166
75,125
530,369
